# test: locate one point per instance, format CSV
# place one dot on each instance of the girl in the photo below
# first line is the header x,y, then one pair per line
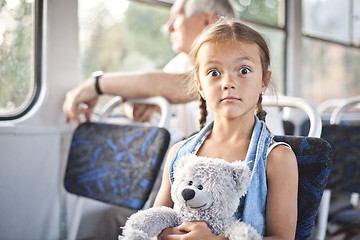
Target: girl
x,y
231,64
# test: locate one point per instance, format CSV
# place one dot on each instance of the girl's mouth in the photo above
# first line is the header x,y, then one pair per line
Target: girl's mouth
x,y
230,99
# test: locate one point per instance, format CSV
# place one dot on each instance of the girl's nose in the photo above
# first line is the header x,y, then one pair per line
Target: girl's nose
x,y
228,83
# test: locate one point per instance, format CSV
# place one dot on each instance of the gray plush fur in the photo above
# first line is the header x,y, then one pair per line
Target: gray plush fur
x,y
204,189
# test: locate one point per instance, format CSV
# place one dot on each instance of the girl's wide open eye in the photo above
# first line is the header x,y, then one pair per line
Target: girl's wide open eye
x,y
244,70
214,73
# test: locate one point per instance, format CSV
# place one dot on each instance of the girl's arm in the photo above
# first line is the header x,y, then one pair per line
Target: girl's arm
x,y
163,198
281,206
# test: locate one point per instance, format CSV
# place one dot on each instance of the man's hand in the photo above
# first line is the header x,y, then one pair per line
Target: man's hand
x,y
80,100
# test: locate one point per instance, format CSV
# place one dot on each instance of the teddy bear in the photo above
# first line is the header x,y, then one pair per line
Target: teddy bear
x,y
204,189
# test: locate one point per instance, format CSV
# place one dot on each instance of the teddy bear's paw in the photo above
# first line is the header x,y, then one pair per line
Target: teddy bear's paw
x,y
242,231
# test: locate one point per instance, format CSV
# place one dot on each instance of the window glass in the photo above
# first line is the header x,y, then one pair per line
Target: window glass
x,y
17,84
129,37
330,71
270,12
276,41
328,19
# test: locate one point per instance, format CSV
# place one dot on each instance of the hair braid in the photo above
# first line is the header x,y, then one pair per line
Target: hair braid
x,y
203,112
260,112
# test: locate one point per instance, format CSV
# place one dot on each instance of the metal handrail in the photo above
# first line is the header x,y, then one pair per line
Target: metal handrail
x,y
300,103
160,101
345,104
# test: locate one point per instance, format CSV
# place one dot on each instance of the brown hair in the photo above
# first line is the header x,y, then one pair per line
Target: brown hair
x,y
232,30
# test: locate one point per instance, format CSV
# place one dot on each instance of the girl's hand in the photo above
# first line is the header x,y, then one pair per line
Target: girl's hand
x,y
170,233
189,230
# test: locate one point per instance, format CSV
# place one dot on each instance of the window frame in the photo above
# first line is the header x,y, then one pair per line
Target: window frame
x,y
349,43
38,49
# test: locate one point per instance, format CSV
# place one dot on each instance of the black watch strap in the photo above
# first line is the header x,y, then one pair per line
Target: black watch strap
x,y
97,75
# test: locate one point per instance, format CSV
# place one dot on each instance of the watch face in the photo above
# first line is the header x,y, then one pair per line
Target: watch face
x,y
97,73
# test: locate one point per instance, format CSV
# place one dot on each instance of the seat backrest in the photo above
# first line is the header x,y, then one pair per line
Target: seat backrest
x,y
116,164
314,163
345,141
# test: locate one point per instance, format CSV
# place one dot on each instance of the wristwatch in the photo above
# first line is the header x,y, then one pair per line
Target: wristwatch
x,y
97,75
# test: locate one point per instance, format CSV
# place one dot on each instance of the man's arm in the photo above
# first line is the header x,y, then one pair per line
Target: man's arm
x,y
148,84
82,99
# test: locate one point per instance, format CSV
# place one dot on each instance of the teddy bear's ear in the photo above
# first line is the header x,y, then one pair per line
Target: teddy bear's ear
x,y
184,160
241,176
181,163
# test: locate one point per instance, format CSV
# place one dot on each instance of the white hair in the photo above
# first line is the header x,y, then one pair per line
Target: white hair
x,y
222,8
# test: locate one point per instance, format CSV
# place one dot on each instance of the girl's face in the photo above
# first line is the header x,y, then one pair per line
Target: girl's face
x,y
230,77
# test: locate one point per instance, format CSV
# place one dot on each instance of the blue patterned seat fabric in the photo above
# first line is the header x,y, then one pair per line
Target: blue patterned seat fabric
x,y
289,127
116,164
345,174
314,163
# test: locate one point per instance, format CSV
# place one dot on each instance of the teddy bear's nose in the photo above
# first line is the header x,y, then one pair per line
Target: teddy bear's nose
x,y
188,194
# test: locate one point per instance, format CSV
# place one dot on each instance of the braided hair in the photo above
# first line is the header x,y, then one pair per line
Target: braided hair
x,y
260,112
203,112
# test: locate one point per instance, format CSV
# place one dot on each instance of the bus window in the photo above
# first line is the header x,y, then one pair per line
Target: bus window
x,y
270,12
330,20
330,71
130,37
331,49
19,84
277,43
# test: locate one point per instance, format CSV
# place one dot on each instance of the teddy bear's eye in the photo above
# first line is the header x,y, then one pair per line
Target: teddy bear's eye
x,y
200,187
190,183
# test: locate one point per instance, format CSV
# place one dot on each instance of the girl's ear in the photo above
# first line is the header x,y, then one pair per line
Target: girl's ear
x,y
266,81
198,84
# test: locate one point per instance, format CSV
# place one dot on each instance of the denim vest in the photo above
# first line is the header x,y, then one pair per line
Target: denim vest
x,y
252,206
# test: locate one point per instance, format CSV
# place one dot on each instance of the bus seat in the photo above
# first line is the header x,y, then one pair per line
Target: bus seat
x,y
345,175
314,162
114,163
314,159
